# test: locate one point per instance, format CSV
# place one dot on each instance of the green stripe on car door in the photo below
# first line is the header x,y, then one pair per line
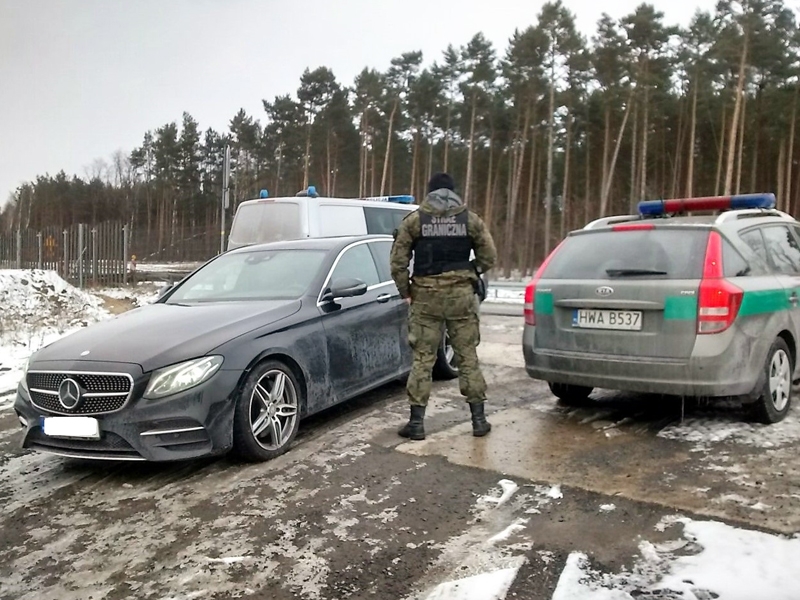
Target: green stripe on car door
x,y
763,301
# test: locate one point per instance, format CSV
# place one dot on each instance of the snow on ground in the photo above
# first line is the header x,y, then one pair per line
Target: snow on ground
x,y
39,307
702,431
143,293
713,560
504,295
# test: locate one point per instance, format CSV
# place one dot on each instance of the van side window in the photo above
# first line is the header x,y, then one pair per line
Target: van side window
x,y
383,220
357,262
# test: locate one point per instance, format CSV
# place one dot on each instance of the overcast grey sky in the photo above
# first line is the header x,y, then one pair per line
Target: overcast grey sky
x,y
80,79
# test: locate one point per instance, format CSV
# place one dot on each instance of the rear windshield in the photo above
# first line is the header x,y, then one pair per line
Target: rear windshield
x,y
661,253
266,222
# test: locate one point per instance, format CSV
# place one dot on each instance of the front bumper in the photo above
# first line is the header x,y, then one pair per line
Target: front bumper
x,y
190,424
708,373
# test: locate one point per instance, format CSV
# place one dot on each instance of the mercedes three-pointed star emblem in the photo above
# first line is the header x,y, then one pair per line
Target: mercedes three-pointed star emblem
x,y
69,393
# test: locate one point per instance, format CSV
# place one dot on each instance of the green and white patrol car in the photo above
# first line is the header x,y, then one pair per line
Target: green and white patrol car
x,y
667,302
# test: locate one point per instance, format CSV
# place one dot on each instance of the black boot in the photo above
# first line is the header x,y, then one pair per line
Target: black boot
x,y
480,426
414,429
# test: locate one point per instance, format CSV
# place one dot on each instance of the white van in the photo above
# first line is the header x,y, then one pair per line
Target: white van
x,y
308,215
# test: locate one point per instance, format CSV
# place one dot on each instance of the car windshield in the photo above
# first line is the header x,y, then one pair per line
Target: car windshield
x,y
655,253
256,275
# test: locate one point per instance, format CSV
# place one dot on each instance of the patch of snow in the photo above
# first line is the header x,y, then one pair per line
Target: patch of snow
x,y
38,307
725,562
555,492
608,507
508,487
575,582
485,586
228,560
517,525
724,428
140,295
501,295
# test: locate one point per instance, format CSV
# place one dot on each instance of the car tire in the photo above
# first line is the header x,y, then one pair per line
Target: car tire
x,y
571,395
775,399
446,365
267,413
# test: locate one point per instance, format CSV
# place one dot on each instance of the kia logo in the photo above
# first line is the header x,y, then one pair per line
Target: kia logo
x,y
604,290
69,393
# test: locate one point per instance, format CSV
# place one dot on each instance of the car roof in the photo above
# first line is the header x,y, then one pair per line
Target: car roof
x,y
726,220
317,243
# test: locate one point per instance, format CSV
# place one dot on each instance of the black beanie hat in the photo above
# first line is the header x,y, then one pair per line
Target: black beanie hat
x,y
439,181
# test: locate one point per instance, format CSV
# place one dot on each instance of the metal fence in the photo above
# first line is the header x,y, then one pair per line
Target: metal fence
x,y
104,254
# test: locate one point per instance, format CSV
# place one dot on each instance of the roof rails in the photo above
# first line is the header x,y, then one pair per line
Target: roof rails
x,y
750,213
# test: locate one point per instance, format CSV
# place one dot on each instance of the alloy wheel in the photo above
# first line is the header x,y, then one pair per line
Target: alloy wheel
x,y
273,410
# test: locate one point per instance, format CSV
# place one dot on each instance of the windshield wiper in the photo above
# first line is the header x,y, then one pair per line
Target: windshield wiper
x,y
633,272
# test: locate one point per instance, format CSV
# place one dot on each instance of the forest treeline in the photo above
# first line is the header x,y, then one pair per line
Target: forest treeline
x,y
543,135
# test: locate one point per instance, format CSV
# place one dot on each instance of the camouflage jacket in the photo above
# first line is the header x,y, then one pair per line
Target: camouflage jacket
x,y
440,203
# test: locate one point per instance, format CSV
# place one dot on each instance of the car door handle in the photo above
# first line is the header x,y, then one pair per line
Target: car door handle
x,y
383,298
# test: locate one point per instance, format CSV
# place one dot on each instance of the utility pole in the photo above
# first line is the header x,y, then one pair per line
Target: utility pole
x,y
226,175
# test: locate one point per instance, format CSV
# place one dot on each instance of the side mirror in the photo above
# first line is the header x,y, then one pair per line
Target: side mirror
x,y
346,287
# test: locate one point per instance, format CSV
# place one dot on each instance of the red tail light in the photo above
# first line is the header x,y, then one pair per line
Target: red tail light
x,y
633,227
719,300
530,290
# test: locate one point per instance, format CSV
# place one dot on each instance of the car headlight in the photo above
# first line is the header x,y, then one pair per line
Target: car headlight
x,y
181,377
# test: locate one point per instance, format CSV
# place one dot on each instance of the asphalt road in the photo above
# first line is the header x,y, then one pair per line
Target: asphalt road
x,y
354,511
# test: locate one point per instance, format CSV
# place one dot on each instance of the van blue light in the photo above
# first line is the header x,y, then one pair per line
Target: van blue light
x,y
654,208
264,194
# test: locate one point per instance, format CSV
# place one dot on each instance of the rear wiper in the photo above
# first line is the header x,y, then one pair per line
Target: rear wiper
x,y
633,272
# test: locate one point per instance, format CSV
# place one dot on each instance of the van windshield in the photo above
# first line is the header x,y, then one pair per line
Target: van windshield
x,y
264,222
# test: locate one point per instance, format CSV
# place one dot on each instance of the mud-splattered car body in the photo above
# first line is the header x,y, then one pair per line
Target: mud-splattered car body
x,y
167,381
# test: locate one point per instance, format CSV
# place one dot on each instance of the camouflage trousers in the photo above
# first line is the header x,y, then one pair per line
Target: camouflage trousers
x,y
456,308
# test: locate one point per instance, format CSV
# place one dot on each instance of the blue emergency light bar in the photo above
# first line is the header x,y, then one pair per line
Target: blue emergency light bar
x,y
264,194
401,199
654,208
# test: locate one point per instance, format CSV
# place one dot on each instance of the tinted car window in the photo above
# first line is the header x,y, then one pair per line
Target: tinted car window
x,y
733,264
663,253
381,251
357,262
261,275
383,220
783,249
266,222
755,241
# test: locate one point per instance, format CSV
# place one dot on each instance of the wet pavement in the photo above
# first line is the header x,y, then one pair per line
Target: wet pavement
x,y
354,511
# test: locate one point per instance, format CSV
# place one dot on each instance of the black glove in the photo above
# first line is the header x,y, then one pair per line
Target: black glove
x,y
479,285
